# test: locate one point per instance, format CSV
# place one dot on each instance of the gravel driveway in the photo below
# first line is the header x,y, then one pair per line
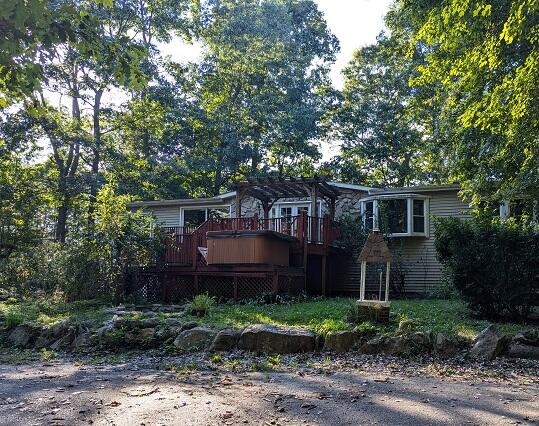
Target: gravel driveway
x,y
340,392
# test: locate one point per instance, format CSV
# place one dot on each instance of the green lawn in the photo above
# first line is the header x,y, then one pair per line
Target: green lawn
x,y
325,315
319,315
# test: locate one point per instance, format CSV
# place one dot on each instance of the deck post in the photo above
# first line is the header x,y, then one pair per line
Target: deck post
x,y
238,204
235,287
314,213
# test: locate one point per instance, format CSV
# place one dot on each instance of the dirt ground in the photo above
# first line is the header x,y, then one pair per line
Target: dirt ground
x,y
337,391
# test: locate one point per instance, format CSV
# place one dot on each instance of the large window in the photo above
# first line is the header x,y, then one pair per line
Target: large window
x,y
405,215
194,217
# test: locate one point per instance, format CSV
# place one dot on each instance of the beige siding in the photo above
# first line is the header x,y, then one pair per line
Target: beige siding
x,y
421,268
417,255
166,216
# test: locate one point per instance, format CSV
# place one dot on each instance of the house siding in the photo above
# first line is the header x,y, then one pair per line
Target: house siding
x,y
414,256
422,270
166,216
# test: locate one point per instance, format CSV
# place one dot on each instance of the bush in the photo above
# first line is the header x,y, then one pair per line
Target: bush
x,y
201,304
493,264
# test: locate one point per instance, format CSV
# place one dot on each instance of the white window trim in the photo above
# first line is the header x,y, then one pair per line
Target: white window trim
x,y
277,206
205,208
409,212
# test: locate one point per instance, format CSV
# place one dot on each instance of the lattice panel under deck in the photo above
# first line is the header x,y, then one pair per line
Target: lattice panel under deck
x,y
220,287
148,288
250,287
291,284
178,288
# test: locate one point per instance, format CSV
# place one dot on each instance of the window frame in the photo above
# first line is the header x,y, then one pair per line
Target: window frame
x,y
409,213
206,211
294,205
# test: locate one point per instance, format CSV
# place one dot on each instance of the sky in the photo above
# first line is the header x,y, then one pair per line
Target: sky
x,y
356,23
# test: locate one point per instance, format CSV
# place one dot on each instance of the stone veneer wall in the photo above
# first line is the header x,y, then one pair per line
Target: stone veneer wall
x,y
348,203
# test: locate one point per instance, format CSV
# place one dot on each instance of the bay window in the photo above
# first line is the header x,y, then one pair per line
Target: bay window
x,y
397,215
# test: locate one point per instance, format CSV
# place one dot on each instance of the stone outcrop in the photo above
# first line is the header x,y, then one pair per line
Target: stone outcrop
x,y
525,345
488,344
341,341
195,339
226,340
269,338
445,346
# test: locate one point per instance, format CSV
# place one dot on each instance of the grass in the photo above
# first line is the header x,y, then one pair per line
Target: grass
x,y
48,313
318,315
322,316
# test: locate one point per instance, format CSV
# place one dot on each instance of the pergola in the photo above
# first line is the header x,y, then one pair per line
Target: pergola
x,y
271,189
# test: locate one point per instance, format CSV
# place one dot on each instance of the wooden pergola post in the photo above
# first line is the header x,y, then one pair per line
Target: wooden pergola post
x,y
238,203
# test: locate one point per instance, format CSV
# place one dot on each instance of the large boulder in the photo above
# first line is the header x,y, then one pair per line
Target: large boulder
x,y
195,339
445,346
340,341
525,345
518,350
22,336
226,340
407,344
269,338
488,344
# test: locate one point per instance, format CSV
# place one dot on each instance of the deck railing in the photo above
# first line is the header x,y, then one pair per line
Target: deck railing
x,y
182,246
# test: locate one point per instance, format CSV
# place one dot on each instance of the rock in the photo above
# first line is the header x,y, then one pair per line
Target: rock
x,y
269,338
65,341
444,346
189,325
82,341
340,341
519,350
488,344
406,326
173,322
226,340
22,336
529,337
60,328
197,338
398,345
149,322
375,345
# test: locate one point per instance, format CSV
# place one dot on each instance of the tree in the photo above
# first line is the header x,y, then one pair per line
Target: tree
x,y
260,88
382,143
483,59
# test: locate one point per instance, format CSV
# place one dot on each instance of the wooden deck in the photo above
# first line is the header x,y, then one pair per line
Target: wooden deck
x,y
183,271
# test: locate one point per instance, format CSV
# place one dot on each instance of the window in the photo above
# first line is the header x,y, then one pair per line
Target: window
x,y
394,215
194,217
419,215
399,216
369,216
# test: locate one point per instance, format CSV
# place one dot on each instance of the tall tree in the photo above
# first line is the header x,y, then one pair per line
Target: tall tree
x,y
482,57
261,87
381,141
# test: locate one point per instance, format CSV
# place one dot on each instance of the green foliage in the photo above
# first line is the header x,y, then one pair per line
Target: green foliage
x,y
493,264
480,63
201,304
353,234
382,144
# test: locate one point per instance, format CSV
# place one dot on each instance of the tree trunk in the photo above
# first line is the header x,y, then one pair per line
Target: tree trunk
x,y
96,150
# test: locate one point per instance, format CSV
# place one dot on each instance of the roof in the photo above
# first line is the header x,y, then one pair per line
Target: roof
x,y
375,249
416,189
223,198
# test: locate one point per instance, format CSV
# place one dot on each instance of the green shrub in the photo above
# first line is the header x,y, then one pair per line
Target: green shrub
x,y
201,304
493,264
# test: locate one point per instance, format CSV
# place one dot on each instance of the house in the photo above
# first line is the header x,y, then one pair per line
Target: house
x,y
213,241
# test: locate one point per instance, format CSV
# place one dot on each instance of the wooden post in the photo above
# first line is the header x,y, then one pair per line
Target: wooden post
x,y
238,204
362,285
275,282
324,259
332,208
314,213
326,230
235,288
388,271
